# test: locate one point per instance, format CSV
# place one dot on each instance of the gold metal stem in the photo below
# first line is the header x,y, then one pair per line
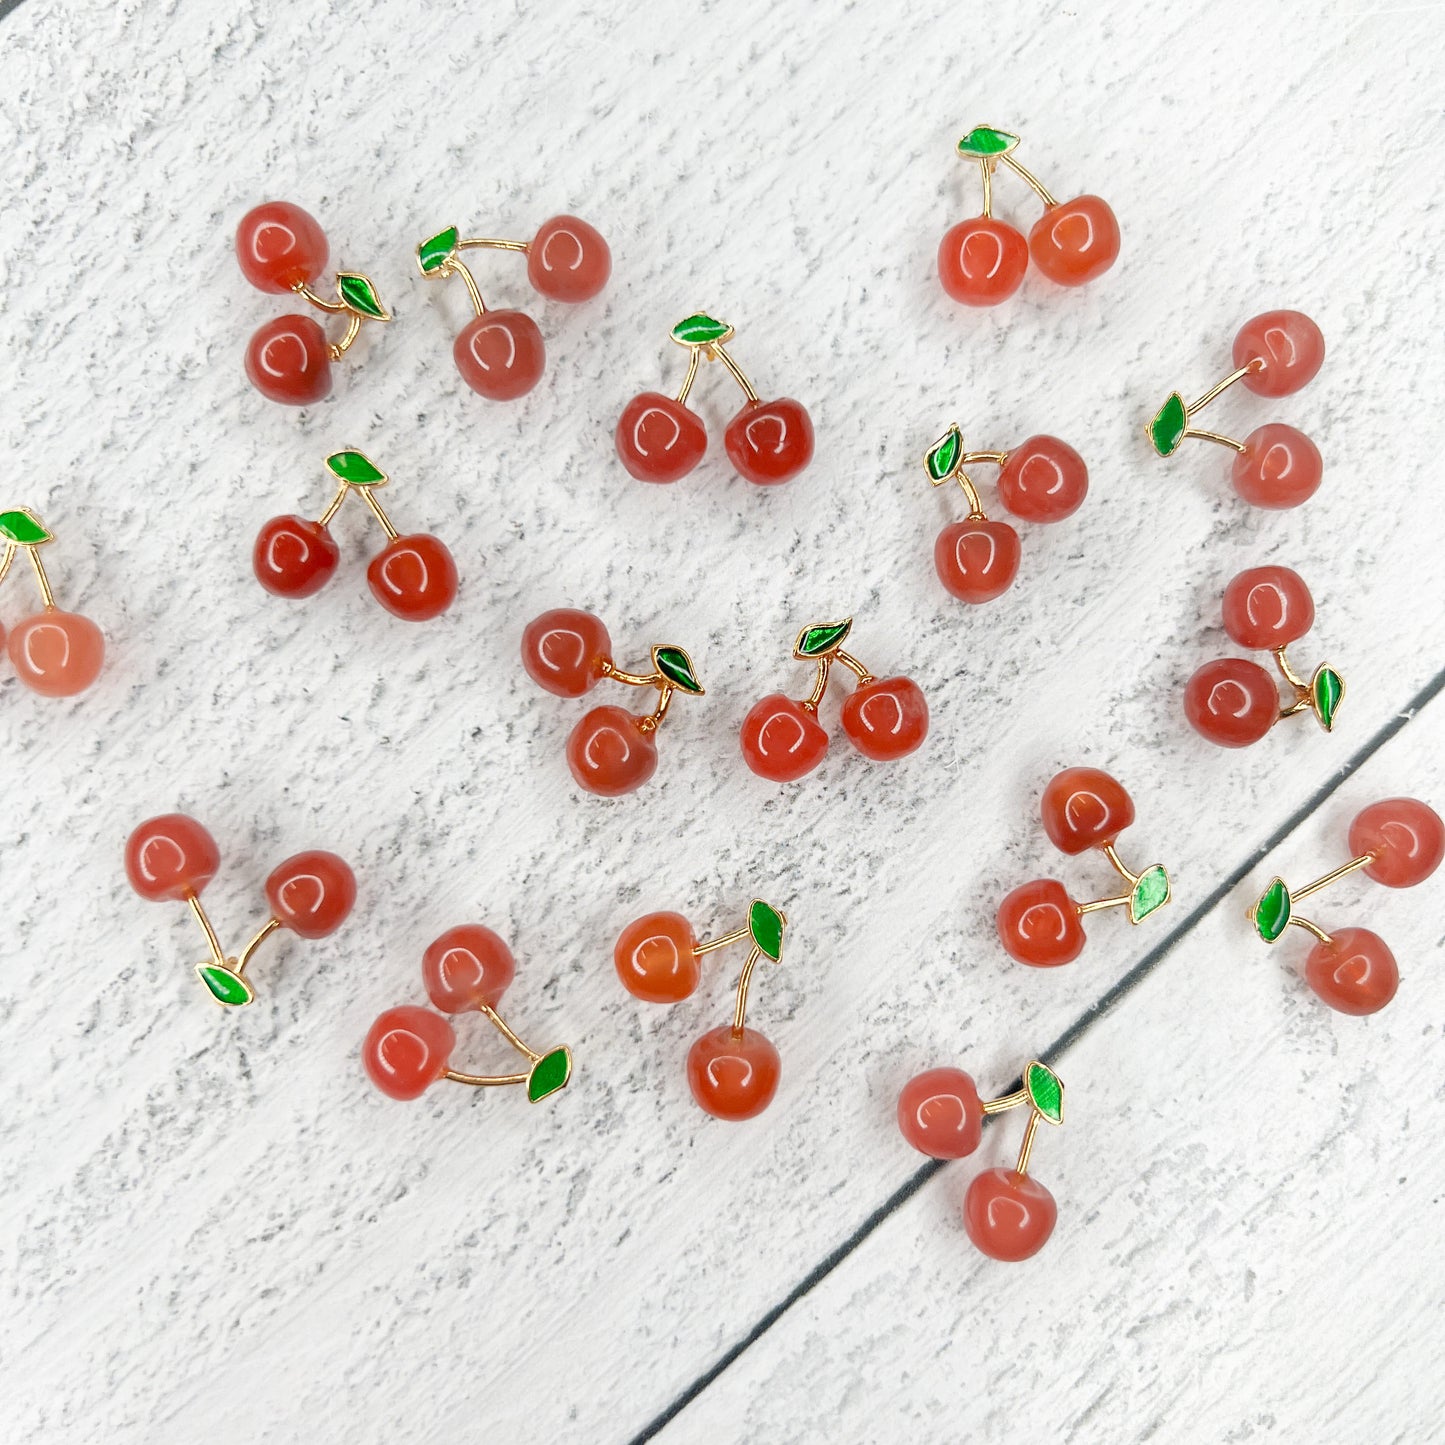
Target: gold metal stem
x,y
740,1012
720,352
1027,1147
1119,868
1214,436
485,1081
975,504
212,942
1313,928
1099,903
1290,675
320,302
973,459
1221,386
1031,180
649,724
334,505
1299,705
855,667
47,596
10,551
694,359
494,243
257,939
721,941
1008,1101
987,169
338,349
820,685
458,268
1333,876
632,679
498,1023
380,513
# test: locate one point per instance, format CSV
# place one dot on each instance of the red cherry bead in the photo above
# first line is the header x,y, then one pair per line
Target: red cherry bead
x,y
170,857
280,247
1008,1215
563,651
1039,924
1268,607
659,439
886,718
294,556
769,442
500,354
610,753
55,653
289,360
1290,346
656,958
1406,836
977,560
939,1113
781,740
733,1074
407,1050
466,967
1076,241
1043,480
413,577
1232,701
568,260
1279,467
312,893
1354,972
981,261
1085,808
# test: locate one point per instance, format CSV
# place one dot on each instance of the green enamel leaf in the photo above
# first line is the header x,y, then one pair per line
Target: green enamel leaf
x,y
226,987
21,527
1150,892
701,330
357,469
765,924
549,1074
822,638
676,666
1327,690
1046,1091
1166,431
436,251
984,141
943,455
1272,913
360,295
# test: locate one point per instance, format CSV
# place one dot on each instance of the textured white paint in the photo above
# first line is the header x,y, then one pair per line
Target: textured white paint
x,y
213,1228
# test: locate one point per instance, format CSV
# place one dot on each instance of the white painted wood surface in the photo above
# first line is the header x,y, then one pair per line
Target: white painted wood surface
x,y
213,1227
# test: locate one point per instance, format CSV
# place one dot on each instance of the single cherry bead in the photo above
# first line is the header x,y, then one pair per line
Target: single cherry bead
x,y
568,260
294,556
977,560
466,967
1279,467
1354,972
289,360
407,1050
782,740
280,247
1039,924
413,577
1268,607
1076,241
1043,480
1008,1215
500,354
770,441
886,718
311,893
1231,701
939,1113
170,857
981,261
1085,808
658,438
656,958
55,653
610,753
1405,835
1290,347
564,651
733,1074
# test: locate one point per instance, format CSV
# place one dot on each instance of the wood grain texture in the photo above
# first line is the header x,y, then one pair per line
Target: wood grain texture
x,y
213,1227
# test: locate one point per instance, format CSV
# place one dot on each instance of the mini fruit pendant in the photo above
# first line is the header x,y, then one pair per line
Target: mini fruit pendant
x,y
1038,923
281,248
611,751
172,858
1235,702
500,354
413,576
54,653
982,261
1398,842
1008,1215
884,719
660,439
1042,480
1275,466
732,1071
408,1049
